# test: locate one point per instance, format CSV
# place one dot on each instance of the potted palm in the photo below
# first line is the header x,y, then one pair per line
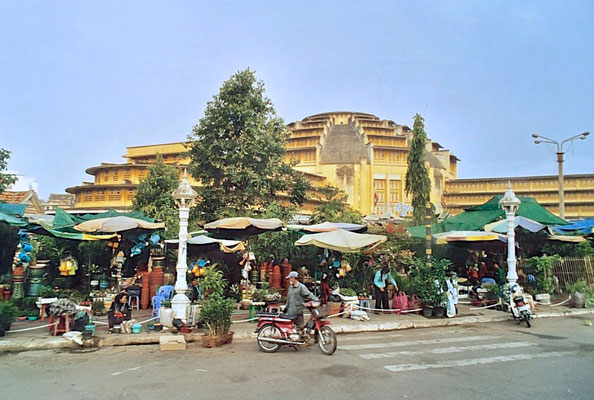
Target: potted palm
x,y
216,310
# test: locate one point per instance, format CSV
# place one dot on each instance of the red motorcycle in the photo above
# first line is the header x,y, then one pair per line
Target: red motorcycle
x,y
275,331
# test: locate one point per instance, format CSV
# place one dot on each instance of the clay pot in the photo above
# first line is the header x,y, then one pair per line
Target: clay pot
x,y
276,277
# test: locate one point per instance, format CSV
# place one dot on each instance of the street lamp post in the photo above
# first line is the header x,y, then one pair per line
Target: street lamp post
x,y
510,203
184,197
560,154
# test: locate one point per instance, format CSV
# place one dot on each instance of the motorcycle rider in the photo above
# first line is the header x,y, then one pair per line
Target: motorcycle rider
x,y
295,299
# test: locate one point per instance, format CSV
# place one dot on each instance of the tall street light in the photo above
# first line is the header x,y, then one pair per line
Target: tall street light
x,y
510,203
184,197
560,153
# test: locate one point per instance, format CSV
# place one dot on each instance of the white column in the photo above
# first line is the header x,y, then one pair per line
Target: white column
x,y
512,275
180,302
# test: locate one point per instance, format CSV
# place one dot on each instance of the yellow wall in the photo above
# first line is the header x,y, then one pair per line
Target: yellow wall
x,y
579,193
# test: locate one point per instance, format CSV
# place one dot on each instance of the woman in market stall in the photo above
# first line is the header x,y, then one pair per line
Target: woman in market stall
x,y
119,311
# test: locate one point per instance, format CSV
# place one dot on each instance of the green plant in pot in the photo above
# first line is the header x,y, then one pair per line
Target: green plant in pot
x,y
429,284
98,307
8,314
579,291
216,310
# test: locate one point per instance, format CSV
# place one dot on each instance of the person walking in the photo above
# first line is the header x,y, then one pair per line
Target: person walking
x,y
381,292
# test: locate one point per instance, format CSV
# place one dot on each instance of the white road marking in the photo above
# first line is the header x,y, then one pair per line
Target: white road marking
x,y
475,361
201,370
416,342
131,369
447,350
349,338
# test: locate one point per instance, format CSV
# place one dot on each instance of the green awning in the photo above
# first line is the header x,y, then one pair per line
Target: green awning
x,y
474,218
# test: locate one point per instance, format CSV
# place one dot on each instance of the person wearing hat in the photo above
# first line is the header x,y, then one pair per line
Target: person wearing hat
x,y
296,296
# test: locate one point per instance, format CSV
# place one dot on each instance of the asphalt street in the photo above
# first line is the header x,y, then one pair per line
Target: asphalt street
x,y
552,360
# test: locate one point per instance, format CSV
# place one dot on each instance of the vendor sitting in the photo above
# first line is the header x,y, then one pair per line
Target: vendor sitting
x,y
119,311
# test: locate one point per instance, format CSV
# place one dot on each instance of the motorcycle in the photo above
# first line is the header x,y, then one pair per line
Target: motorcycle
x,y
275,330
519,308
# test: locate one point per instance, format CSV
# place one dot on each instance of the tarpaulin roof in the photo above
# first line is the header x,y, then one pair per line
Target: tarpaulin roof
x,y
468,236
341,240
473,219
12,214
116,224
523,222
329,226
582,226
63,219
227,246
242,227
45,227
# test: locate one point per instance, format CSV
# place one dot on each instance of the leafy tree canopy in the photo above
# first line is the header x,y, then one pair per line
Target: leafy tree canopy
x,y
237,151
335,208
417,176
5,179
154,196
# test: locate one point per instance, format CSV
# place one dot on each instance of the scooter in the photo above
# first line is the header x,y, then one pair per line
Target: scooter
x,y
519,308
275,330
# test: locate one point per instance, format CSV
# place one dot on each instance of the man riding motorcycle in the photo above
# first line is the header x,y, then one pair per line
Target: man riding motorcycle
x,y
298,293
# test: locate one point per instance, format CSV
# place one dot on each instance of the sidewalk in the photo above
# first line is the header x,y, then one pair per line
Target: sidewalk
x,y
39,339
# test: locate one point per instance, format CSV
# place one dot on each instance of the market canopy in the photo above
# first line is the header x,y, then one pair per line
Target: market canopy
x,y
241,227
468,236
342,240
45,227
475,218
62,219
582,226
519,221
116,224
227,246
329,226
12,214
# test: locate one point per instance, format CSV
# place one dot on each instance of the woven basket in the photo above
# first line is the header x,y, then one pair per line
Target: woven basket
x,y
217,340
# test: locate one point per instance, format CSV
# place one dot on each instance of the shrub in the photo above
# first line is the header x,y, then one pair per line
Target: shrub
x,y
8,313
429,281
216,311
581,286
542,269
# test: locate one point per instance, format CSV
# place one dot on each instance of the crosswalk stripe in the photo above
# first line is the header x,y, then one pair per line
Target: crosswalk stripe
x,y
416,342
475,361
368,337
446,350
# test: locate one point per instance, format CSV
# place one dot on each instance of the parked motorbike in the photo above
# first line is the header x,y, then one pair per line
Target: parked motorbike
x,y
275,330
519,308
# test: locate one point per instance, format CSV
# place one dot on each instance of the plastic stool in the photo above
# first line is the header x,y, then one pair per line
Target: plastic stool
x,y
365,303
136,303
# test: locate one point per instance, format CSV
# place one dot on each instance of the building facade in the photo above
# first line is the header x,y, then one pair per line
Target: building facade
x,y
366,158
578,189
359,153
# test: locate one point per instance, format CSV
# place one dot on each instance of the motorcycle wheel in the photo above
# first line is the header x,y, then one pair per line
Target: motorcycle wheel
x,y
527,319
327,340
268,331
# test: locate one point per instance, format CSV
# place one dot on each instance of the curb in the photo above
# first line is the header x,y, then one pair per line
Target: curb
x,y
130,340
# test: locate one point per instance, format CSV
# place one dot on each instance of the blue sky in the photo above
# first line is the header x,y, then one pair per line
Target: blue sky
x,y
80,81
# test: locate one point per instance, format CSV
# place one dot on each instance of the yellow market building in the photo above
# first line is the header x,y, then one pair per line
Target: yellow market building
x,y
359,153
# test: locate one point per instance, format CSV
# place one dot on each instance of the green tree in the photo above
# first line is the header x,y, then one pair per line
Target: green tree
x,y
237,151
153,196
417,176
334,208
5,179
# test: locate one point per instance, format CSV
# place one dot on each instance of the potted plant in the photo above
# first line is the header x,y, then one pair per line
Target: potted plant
x,y
98,307
430,285
216,310
579,291
8,313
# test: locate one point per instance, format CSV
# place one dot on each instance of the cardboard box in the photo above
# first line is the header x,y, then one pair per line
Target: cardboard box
x,y
172,343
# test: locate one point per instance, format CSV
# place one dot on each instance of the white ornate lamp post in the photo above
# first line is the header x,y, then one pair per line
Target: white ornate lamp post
x,y
184,197
510,204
